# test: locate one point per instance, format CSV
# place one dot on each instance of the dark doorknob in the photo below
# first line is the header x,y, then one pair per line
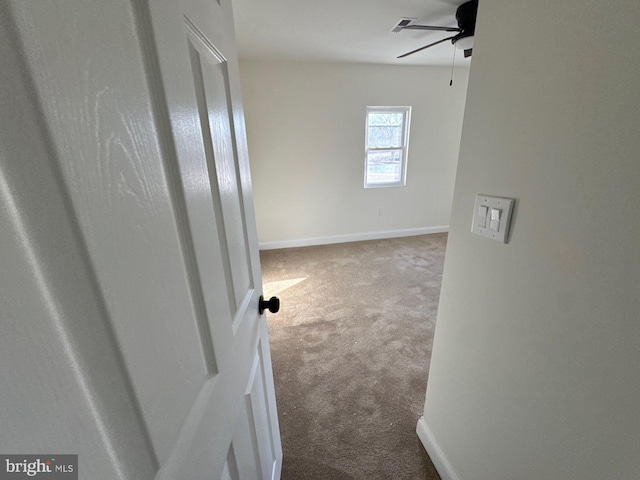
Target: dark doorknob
x,y
273,305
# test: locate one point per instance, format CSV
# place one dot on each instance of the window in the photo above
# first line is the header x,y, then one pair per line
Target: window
x,y
387,140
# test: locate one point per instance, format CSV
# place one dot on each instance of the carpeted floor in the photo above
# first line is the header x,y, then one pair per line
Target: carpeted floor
x,y
350,349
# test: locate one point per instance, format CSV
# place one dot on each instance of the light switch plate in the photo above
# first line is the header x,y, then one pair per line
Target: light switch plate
x,y
505,205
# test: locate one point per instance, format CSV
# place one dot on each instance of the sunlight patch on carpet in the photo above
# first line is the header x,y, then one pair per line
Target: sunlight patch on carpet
x,y
276,287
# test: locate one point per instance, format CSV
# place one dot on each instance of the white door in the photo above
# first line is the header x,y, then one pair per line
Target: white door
x,y
130,272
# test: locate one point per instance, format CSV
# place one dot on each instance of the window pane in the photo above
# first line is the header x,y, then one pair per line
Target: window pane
x,y
385,130
384,166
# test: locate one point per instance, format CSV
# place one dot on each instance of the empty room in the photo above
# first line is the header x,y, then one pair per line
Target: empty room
x,y
531,373
352,246
304,240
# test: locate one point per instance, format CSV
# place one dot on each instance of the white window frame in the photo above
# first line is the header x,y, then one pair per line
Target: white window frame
x,y
404,148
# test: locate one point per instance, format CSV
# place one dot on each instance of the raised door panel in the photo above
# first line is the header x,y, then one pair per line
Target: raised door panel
x,y
257,406
211,84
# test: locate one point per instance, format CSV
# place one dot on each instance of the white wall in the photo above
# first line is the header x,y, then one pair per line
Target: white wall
x,y
535,371
306,126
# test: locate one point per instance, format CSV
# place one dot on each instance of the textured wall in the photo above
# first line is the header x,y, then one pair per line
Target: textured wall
x,y
306,127
536,356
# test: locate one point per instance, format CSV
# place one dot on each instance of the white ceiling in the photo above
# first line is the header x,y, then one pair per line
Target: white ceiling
x,y
343,30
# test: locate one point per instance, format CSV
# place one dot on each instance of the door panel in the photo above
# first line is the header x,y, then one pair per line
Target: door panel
x,y
257,409
211,84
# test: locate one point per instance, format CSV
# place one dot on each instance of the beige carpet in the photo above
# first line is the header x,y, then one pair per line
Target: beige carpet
x,y
351,348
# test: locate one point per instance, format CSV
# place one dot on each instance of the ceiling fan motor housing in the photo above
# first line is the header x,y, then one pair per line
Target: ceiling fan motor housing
x,y
466,17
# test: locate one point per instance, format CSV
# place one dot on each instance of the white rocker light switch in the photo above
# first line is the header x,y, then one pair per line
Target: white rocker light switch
x,y
482,216
495,220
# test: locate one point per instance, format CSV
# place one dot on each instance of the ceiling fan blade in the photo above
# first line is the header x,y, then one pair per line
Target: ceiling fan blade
x,y
430,27
467,52
426,46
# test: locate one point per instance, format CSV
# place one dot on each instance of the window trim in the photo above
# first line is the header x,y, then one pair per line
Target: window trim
x,y
404,148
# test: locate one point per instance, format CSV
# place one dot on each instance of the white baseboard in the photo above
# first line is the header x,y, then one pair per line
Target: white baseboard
x,y
355,237
435,452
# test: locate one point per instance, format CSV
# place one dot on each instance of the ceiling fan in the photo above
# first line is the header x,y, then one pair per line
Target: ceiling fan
x,y
466,17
